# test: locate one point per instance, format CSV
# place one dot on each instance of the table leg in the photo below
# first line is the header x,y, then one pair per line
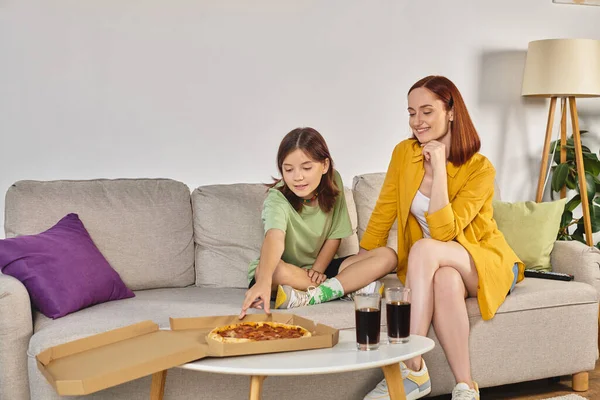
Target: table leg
x,y
393,376
157,387
256,387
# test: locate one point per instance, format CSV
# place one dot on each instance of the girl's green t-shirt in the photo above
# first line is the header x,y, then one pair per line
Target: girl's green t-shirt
x,y
307,231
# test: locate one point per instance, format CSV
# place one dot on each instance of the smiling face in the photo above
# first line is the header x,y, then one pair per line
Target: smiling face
x,y
302,174
428,117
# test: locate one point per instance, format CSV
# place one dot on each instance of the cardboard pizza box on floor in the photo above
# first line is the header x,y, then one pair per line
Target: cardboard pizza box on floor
x,y
323,336
108,359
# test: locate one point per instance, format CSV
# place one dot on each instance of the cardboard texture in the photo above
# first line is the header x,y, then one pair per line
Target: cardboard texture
x,y
108,359
322,335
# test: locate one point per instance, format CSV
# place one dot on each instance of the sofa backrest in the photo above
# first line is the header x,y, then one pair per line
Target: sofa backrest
x,y
228,232
142,226
366,190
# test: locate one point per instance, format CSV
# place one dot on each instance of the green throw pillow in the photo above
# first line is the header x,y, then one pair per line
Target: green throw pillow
x,y
530,228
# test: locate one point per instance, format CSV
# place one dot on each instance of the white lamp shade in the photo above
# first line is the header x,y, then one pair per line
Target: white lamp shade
x,y
562,68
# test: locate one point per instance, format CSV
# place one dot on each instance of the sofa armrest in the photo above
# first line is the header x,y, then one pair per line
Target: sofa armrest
x,y
576,258
16,328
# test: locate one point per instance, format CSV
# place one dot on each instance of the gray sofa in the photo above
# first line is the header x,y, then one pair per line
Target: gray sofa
x,y
186,255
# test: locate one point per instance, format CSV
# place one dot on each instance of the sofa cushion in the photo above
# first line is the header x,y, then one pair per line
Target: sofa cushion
x,y
366,190
62,269
160,304
228,232
142,226
530,229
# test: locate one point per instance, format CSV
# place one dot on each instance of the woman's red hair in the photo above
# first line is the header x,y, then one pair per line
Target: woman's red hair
x,y
464,140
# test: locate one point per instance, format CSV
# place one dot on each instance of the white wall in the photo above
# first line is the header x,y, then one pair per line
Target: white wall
x,y
203,91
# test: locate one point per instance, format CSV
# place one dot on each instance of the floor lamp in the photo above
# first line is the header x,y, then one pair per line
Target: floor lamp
x,y
564,69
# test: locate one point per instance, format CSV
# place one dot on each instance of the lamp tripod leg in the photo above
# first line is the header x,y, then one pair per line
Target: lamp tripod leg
x,y
587,222
544,164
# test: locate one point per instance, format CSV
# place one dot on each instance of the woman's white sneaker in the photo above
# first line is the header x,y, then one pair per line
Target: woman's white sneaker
x,y
416,384
462,391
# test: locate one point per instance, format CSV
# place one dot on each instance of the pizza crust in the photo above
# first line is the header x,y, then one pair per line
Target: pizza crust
x,y
229,337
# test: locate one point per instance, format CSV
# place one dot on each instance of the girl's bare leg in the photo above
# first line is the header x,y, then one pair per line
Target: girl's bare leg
x,y
358,271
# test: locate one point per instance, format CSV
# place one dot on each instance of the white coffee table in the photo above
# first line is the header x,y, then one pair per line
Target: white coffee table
x,y
343,357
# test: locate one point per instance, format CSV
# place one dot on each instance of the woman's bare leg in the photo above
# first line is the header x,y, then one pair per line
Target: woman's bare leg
x,y
451,321
424,260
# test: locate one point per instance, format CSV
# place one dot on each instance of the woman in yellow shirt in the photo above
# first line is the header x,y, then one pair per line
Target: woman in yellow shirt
x,y
440,190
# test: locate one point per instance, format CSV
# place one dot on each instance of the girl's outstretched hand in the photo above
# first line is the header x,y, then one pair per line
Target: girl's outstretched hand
x,y
258,296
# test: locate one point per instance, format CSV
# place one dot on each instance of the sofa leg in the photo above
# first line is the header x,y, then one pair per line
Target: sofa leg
x,y
580,382
157,387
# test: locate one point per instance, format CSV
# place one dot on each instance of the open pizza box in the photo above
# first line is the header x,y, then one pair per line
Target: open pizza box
x,y
322,336
111,358
108,359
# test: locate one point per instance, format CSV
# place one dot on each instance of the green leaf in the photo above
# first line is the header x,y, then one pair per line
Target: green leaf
x,y
592,166
571,180
595,218
590,156
579,238
570,156
573,203
585,149
590,186
566,218
559,178
581,131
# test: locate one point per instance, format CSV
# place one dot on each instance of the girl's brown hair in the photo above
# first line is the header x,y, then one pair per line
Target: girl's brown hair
x,y
312,143
464,142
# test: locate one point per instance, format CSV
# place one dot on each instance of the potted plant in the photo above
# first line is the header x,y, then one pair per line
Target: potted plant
x,y
565,175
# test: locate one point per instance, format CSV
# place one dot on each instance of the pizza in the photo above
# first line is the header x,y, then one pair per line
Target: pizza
x,y
257,331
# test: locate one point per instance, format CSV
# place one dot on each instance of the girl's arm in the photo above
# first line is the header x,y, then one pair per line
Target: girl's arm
x,y
330,247
271,251
270,254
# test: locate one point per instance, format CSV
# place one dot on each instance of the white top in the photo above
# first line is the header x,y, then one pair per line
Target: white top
x,y
418,208
342,357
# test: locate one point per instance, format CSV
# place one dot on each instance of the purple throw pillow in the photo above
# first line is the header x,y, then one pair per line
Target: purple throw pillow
x,y
62,269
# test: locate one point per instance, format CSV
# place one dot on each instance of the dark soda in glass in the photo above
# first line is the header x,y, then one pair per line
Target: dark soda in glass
x,y
368,326
398,321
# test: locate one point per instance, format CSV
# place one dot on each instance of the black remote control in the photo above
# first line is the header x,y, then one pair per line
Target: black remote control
x,y
558,276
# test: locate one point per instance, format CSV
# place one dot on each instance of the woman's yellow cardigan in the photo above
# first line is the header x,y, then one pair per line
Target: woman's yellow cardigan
x,y
467,219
